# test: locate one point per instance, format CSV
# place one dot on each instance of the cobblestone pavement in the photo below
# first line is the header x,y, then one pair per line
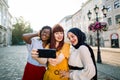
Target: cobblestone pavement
x,y
13,60
108,72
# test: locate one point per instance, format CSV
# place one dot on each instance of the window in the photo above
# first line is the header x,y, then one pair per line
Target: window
x,y
116,4
117,18
4,18
110,21
109,8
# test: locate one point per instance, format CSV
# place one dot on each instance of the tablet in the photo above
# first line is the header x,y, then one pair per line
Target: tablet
x,y
47,53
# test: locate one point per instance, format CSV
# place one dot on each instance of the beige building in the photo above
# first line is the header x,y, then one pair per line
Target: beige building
x,y
109,38
66,22
92,36
112,36
5,24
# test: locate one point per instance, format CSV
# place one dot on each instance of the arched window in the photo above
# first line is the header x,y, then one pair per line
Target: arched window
x,y
116,4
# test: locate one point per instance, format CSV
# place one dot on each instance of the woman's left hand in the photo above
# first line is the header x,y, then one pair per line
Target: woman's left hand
x,y
64,74
52,61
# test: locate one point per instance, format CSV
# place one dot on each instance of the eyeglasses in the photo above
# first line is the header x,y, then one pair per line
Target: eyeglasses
x,y
46,32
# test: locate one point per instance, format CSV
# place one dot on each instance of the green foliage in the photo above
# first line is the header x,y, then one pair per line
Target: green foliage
x,y
18,29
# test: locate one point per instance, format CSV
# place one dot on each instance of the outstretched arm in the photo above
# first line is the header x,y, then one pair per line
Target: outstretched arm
x,y
35,56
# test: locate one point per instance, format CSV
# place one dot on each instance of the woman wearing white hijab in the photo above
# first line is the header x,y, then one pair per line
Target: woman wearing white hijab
x,y
81,61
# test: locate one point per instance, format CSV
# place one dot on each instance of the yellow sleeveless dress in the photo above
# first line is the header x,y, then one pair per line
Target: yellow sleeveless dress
x,y
52,72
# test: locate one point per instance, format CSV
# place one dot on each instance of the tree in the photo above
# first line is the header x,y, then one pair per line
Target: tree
x,y
20,27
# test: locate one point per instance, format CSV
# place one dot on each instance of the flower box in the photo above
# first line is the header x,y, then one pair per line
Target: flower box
x,y
98,26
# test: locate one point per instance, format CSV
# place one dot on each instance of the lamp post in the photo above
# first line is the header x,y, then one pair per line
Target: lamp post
x,y
96,10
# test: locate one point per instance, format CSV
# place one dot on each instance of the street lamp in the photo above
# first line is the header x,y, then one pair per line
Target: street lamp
x,y
96,10
89,15
104,10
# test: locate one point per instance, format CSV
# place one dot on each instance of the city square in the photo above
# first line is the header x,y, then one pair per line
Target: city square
x,y
98,19
13,60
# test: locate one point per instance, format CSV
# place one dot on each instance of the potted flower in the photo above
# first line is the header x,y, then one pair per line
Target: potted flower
x,y
98,26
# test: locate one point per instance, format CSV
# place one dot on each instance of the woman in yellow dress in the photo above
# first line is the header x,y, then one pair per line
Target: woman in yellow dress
x,y
55,65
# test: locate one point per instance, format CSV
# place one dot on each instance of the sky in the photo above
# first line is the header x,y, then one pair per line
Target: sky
x,y
43,12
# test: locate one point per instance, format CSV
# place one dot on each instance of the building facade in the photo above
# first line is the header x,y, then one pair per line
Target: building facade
x,y
5,24
109,38
66,22
112,36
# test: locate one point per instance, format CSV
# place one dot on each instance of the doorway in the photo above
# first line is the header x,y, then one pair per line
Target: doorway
x,y
114,40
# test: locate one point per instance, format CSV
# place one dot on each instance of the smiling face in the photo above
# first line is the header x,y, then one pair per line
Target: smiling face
x,y
45,34
59,36
73,38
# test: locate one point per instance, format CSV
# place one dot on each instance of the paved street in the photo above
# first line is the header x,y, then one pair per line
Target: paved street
x,y
13,59
109,55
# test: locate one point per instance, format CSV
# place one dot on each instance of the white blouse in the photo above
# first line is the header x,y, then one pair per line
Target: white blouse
x,y
81,57
36,44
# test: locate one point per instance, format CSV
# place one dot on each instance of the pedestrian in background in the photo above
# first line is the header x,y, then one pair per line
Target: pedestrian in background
x,y
82,63
62,52
36,67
